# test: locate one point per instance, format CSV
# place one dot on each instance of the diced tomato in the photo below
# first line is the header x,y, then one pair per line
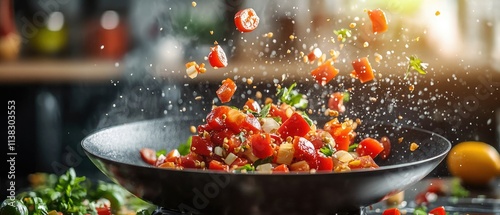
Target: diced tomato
x,y
324,162
103,210
379,21
342,133
217,117
304,150
191,160
253,105
281,168
369,146
148,155
276,139
438,211
238,121
363,162
336,102
391,211
296,125
217,137
239,162
226,90
168,165
325,72
386,143
201,146
261,145
173,155
217,57
437,187
300,166
246,20
362,70
216,165
421,198
275,111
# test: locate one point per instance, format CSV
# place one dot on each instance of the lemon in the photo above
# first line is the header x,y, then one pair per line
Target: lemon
x,y
475,163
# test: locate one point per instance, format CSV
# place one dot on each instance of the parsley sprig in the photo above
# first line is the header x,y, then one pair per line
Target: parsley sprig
x,y
292,97
416,64
343,34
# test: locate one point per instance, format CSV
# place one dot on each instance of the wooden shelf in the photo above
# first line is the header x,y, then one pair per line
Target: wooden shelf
x,y
56,71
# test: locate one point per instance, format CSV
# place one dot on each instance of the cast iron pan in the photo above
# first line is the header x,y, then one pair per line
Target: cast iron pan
x,y
115,151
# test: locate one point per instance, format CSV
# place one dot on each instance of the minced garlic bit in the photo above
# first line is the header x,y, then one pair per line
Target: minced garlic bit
x,y
400,117
373,99
378,57
366,44
413,146
411,87
288,51
258,95
197,98
192,129
292,37
400,140
211,32
193,4
249,81
352,25
438,13
268,35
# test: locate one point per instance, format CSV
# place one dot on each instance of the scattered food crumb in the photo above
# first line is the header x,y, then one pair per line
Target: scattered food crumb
x,y
400,140
193,4
413,146
192,129
438,13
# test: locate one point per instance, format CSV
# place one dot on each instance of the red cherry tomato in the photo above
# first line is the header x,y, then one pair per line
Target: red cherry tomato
x,y
386,143
281,168
391,211
304,150
253,105
201,146
370,147
438,211
217,57
324,162
217,165
261,145
362,70
336,102
148,155
296,125
379,20
246,20
226,90
325,72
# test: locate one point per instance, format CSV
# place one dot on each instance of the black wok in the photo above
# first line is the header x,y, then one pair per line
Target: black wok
x,y
115,151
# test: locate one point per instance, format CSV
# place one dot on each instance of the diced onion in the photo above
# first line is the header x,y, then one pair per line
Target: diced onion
x,y
269,125
218,150
191,72
267,167
343,156
285,154
230,158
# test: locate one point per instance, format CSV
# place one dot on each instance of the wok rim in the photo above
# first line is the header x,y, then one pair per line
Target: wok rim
x,y
440,156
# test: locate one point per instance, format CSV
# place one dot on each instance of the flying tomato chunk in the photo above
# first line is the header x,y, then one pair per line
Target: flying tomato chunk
x,y
362,70
370,147
217,57
379,20
226,90
336,102
246,20
325,72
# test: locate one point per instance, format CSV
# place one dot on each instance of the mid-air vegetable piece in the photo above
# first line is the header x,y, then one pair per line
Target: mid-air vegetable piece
x,y
336,102
369,146
415,63
217,57
362,70
325,72
226,90
246,20
379,20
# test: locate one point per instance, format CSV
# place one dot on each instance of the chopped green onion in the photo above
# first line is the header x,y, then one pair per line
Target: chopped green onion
x,y
353,147
185,147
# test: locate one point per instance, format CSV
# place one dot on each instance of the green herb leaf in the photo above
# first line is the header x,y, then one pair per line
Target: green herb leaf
x,y
161,152
292,97
420,210
263,161
306,117
247,167
343,33
352,147
347,97
457,190
265,110
185,148
414,63
327,150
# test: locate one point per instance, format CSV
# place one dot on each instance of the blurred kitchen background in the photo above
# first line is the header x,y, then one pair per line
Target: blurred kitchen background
x,y
75,66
